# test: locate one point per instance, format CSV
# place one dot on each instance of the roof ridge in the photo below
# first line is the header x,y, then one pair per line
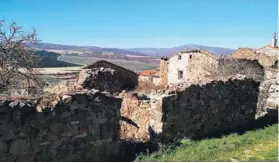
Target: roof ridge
x,y
107,62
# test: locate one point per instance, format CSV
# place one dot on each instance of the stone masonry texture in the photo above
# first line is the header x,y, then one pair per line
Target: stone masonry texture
x,y
268,97
197,110
80,127
90,124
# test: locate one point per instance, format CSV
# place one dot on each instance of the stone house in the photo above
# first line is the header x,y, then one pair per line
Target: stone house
x,y
150,76
185,66
266,55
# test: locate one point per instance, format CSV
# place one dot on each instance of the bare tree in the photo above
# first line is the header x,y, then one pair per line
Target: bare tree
x,y
17,61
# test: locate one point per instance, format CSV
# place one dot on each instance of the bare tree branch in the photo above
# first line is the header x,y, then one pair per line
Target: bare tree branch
x,y
17,61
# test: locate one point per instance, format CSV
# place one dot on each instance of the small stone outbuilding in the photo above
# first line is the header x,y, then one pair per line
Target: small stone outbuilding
x,y
106,76
150,76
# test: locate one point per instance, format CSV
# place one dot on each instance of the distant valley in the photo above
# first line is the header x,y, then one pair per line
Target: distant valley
x,y
136,59
169,51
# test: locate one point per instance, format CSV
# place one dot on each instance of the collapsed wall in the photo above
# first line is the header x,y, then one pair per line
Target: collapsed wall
x,y
197,110
138,117
100,75
81,126
106,76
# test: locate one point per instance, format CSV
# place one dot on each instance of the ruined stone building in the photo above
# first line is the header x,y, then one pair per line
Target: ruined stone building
x,y
270,50
107,76
185,66
93,125
266,55
101,75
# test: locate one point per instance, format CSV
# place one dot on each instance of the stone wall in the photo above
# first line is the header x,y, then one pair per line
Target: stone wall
x,y
268,50
245,53
199,64
139,115
197,110
250,68
149,80
268,98
106,76
261,55
108,79
164,71
206,109
81,126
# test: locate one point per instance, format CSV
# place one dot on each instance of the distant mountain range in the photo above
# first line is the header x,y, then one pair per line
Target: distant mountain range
x,y
82,50
122,53
170,51
85,53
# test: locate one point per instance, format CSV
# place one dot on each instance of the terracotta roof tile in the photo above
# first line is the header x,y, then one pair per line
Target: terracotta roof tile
x,y
148,72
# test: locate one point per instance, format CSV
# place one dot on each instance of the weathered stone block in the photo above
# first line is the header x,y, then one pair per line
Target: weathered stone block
x,y
58,127
67,99
27,158
19,146
3,147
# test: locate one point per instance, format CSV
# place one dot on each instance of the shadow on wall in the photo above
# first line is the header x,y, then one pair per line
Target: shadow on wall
x,y
212,108
229,66
260,123
207,111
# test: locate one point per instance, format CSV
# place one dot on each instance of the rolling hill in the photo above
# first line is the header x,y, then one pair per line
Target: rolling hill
x,y
169,51
82,49
125,53
50,59
137,59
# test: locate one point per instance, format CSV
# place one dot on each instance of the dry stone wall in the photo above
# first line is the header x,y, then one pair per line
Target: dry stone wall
x,y
164,71
106,76
82,126
197,110
202,110
139,116
106,79
199,64
269,88
262,55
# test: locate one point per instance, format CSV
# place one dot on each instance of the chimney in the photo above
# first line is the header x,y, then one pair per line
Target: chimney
x,y
274,41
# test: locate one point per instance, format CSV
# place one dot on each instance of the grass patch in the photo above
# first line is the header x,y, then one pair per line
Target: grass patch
x,y
257,145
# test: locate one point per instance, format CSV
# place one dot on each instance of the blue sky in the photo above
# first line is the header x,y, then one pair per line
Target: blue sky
x,y
147,23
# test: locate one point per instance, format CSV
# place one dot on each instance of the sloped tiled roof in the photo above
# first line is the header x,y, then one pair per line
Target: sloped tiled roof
x,y
155,72
147,72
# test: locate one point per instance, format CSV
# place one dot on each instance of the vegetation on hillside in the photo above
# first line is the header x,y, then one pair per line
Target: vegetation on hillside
x,y
257,145
49,59
132,65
